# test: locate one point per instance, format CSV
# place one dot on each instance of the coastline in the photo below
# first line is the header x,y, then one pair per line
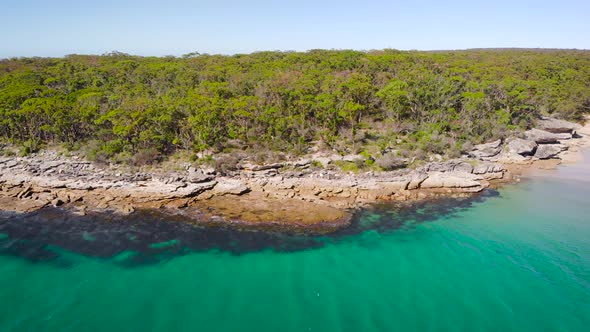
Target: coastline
x,y
290,195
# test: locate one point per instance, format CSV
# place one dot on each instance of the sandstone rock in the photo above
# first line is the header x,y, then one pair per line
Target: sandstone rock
x,y
21,205
192,189
301,162
11,163
266,173
451,180
564,136
486,150
437,167
463,167
417,180
43,196
396,186
557,126
45,166
547,151
521,146
257,168
197,176
493,176
230,187
80,185
209,170
513,158
483,168
448,166
140,177
545,137
285,185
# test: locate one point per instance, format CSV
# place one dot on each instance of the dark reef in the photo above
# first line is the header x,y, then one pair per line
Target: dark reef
x,y
150,236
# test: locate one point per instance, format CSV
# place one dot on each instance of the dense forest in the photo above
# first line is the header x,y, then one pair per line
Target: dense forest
x,y
118,106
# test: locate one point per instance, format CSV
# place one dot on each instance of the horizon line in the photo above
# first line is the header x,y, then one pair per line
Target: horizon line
x,y
197,53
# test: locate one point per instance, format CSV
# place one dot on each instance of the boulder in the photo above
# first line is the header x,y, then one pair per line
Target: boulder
x,y
486,150
547,151
541,136
484,168
557,126
451,180
198,176
521,146
507,157
230,187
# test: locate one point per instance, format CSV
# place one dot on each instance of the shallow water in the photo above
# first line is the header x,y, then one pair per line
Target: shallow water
x,y
513,260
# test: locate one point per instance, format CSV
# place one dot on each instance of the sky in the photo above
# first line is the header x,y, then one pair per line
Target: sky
x,y
175,27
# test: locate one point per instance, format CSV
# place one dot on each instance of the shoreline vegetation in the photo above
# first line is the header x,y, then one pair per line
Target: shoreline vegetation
x,y
282,139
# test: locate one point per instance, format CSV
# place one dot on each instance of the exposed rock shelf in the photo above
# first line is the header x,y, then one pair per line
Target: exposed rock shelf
x,y
255,193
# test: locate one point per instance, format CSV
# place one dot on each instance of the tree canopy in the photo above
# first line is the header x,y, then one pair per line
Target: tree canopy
x,y
433,101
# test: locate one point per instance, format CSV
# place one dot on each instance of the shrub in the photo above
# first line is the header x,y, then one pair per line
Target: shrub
x,y
225,164
30,146
122,158
146,157
348,166
390,161
71,146
316,163
368,159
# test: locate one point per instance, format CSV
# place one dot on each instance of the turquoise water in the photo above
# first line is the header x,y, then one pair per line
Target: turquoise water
x,y
517,260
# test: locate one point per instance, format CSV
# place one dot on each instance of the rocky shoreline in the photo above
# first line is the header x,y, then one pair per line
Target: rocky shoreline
x,y
291,194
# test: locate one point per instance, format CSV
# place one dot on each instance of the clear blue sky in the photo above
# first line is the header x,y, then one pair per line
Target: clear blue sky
x,y
175,27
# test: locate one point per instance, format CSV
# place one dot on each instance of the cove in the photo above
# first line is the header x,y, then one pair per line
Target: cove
x,y
516,259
